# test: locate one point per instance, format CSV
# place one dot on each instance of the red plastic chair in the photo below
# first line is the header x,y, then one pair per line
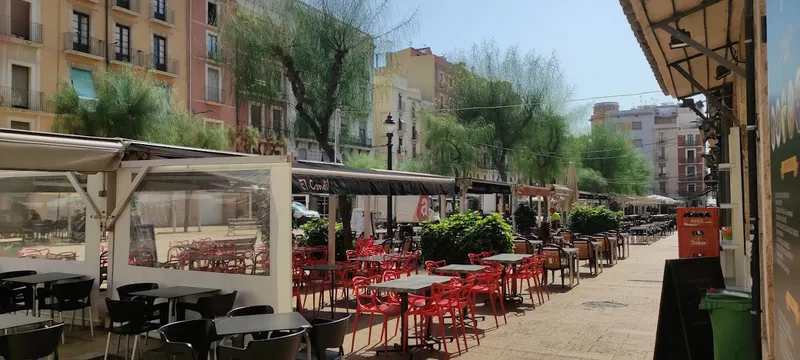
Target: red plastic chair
x,y
524,273
297,282
474,259
488,283
345,281
438,305
367,302
431,266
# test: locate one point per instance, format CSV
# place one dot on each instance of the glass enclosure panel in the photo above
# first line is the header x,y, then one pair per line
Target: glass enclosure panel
x,y
202,220
42,216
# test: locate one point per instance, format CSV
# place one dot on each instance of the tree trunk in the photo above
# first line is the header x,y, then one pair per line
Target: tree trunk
x,y
344,208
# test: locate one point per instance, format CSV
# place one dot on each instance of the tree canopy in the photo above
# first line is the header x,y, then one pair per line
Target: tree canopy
x,y
133,105
517,94
324,48
611,154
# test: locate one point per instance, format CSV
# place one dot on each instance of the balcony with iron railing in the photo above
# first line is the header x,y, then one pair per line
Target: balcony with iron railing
x,y
691,160
24,99
20,28
691,178
275,131
213,54
355,140
661,176
126,6
130,56
662,158
662,141
82,44
215,95
164,65
162,15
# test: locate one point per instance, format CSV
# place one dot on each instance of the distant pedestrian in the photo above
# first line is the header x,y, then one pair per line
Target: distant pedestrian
x,y
555,219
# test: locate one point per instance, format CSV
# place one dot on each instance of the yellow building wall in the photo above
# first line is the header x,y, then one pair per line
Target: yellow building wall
x,y
53,63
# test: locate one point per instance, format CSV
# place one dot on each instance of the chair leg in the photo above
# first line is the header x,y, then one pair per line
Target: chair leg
x,y
369,337
474,322
455,330
441,333
119,341
135,343
494,311
530,292
108,343
355,327
91,321
72,323
396,326
503,309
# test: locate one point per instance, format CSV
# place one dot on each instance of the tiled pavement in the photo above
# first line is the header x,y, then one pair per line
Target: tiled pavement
x,y
609,317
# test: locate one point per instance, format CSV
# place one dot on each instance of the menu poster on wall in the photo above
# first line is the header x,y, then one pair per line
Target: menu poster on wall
x,y
783,56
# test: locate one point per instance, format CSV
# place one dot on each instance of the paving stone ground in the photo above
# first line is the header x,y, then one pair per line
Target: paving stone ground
x,y
612,316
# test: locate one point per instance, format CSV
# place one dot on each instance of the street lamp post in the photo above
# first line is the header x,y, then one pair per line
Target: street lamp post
x,y
390,127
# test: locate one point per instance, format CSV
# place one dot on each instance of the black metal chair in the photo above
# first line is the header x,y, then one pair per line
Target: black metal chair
x,y
279,348
327,334
70,295
158,311
208,307
190,339
21,294
128,317
238,340
34,344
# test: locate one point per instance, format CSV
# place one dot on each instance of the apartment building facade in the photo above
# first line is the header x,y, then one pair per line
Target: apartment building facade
x,y
654,131
394,96
691,164
23,43
42,47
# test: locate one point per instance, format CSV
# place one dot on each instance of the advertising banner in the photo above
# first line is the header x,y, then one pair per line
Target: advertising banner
x,y
783,57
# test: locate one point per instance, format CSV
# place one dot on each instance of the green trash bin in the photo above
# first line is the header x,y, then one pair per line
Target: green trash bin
x,y
730,323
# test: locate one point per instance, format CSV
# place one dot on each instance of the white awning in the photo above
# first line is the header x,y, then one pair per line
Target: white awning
x,y
57,152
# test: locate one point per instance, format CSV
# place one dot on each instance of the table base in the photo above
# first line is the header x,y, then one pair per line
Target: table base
x,y
430,342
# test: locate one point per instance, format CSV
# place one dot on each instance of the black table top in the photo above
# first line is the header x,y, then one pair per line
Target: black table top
x,y
174,292
324,267
411,284
9,321
461,268
43,278
507,258
233,325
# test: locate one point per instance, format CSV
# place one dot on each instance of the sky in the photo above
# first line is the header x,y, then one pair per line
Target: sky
x,y
592,39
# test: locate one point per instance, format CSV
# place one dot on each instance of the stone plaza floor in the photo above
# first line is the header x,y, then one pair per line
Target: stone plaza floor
x,y
611,316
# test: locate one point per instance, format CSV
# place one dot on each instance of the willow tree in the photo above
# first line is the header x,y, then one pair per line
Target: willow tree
x,y
611,153
454,148
544,155
510,91
324,48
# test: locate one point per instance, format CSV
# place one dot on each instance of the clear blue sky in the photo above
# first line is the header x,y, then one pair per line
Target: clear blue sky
x,y
591,38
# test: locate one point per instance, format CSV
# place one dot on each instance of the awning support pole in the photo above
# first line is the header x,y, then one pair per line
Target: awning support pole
x,y
121,205
718,104
75,184
699,47
333,201
752,177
